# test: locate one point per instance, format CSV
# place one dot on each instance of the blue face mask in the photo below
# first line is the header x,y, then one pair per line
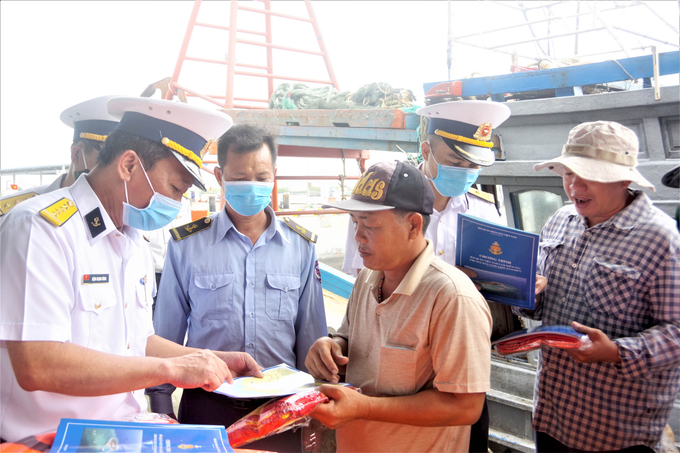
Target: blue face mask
x,y
248,197
454,181
160,211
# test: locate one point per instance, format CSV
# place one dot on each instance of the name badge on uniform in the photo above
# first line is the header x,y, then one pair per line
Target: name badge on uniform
x,y
95,278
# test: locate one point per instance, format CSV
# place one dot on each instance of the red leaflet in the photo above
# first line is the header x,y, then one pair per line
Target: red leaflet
x,y
274,417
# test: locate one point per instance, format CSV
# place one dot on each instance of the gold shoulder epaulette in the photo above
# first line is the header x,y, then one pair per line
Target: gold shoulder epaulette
x,y
8,203
481,194
302,231
59,212
187,230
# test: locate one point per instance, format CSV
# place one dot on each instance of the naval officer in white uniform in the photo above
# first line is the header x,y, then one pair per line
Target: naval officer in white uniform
x,y
452,159
91,123
77,282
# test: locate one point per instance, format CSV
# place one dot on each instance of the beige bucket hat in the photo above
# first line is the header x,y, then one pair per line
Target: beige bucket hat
x,y
601,151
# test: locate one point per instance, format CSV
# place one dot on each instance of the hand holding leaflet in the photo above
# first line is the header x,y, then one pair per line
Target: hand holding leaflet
x,y
277,415
274,417
600,348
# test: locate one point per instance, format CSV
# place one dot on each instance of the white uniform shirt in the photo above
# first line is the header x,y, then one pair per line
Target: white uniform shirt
x,y
441,231
9,201
43,270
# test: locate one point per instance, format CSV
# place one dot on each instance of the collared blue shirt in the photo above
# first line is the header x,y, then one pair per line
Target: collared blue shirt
x,y
227,294
621,276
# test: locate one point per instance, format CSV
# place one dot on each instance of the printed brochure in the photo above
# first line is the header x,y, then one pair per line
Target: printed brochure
x,y
279,380
503,258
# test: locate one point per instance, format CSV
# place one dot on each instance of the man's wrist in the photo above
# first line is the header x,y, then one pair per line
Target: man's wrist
x,y
365,408
616,353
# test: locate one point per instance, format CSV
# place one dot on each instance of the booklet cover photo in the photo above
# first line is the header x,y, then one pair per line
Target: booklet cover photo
x,y
80,436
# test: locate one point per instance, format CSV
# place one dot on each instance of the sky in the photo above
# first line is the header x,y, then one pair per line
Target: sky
x,y
55,54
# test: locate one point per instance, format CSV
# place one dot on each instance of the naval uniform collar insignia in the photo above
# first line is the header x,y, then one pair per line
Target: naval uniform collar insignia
x,y
481,194
187,230
95,222
302,231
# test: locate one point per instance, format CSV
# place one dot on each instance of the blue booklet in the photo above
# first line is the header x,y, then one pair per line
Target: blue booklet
x,y
503,258
79,436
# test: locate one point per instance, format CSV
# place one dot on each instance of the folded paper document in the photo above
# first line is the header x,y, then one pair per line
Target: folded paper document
x,y
279,380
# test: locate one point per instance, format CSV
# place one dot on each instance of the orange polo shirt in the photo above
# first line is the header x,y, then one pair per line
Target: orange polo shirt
x,y
433,331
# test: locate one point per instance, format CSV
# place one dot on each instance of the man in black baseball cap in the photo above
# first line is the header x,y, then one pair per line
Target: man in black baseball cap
x,y
406,338
390,185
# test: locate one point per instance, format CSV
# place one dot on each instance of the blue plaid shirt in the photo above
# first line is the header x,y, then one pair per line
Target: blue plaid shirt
x,y
622,277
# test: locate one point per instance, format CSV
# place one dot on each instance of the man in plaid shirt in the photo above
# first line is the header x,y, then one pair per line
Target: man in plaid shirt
x,y
612,263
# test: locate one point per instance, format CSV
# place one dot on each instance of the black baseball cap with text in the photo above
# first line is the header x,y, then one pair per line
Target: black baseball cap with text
x,y
390,185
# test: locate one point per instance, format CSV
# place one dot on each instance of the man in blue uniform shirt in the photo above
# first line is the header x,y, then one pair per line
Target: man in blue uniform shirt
x,y
247,281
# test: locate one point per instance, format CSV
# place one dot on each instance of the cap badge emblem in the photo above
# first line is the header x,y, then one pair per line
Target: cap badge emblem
x,y
484,132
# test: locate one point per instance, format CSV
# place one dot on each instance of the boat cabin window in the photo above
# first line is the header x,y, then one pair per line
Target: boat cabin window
x,y
532,208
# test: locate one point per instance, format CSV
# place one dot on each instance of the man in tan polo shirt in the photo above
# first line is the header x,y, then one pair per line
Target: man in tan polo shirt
x,y
415,337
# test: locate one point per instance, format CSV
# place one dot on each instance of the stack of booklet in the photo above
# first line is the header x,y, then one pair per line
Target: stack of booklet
x,y
564,337
97,435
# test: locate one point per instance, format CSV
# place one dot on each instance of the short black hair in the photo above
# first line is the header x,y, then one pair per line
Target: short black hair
x,y
403,213
119,141
244,138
